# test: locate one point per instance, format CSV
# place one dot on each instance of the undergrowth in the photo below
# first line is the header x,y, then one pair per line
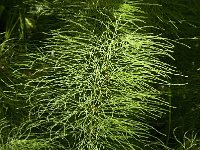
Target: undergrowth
x,y
88,76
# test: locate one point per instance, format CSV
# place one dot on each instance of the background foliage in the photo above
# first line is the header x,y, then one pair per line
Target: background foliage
x,y
87,74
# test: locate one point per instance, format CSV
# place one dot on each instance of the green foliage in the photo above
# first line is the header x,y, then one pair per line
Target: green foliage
x,y
26,145
189,142
179,20
94,87
85,74
88,83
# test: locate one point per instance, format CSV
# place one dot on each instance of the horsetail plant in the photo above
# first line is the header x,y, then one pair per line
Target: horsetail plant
x,y
92,77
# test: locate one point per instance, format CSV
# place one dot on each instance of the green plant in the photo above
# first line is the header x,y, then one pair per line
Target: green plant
x,y
13,107
179,20
189,141
27,145
88,76
93,77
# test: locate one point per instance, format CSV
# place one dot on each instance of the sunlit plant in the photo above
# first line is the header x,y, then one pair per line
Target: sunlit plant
x,y
94,88
91,77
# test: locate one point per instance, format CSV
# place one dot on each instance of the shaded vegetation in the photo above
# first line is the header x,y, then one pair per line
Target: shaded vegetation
x,y
95,75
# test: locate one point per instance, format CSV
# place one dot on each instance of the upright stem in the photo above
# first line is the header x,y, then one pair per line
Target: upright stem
x,y
170,114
